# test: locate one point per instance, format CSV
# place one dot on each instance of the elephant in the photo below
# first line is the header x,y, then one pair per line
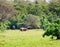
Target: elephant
x,y
23,29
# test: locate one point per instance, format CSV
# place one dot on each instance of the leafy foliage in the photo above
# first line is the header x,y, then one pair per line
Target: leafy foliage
x,y
6,14
53,29
32,21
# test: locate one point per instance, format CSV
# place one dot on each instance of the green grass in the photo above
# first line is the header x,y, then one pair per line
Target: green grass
x,y
30,38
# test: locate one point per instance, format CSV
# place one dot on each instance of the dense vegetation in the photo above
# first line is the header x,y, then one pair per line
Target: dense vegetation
x,y
34,15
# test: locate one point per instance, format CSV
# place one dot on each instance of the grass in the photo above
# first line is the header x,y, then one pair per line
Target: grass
x,y
30,38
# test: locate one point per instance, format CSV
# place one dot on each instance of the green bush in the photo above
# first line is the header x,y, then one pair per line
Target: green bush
x,y
53,29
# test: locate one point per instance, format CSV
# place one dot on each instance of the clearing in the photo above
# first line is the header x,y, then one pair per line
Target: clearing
x,y
30,38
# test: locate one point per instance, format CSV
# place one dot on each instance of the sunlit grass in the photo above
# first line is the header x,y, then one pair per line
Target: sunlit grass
x,y
30,38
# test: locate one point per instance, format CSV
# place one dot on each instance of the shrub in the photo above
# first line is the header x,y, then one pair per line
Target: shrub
x,y
53,29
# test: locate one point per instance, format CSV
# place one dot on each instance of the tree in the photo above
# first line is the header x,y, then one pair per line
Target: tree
x,y
32,21
6,14
22,12
43,21
53,29
54,7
